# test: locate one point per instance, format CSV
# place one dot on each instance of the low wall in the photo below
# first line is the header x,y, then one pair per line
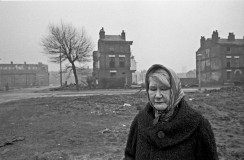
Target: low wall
x,y
188,81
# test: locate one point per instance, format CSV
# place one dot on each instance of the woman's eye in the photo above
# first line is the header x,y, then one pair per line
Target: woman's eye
x,y
153,89
164,89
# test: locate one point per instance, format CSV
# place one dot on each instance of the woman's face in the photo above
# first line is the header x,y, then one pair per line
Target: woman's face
x,y
159,92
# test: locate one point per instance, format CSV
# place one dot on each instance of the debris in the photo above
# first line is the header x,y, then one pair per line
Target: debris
x,y
126,105
215,107
106,130
11,141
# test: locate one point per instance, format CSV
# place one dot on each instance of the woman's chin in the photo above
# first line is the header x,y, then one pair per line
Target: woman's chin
x,y
160,107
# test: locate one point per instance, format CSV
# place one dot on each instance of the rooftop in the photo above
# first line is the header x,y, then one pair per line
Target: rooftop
x,y
235,42
113,38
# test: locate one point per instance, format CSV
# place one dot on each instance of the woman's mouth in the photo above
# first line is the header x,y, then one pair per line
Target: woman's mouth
x,y
159,102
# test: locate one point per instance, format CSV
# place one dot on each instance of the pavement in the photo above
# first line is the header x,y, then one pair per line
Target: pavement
x,y
25,93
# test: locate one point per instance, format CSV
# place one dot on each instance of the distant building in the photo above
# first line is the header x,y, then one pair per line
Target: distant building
x,y
188,79
220,61
23,75
191,74
113,64
181,75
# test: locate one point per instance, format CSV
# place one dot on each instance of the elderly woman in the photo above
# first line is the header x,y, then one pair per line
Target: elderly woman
x,y
167,128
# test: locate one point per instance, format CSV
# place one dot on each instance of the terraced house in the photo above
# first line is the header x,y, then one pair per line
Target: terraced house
x,y
113,64
23,75
220,61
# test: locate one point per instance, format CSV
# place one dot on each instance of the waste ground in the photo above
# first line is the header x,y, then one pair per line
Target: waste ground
x,y
96,127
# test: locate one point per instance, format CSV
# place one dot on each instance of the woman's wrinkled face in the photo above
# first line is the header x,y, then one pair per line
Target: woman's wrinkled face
x,y
159,92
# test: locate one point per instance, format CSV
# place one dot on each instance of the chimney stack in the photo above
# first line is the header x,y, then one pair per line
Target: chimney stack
x,y
202,41
231,37
102,34
215,36
123,35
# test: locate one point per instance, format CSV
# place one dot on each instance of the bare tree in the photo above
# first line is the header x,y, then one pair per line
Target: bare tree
x,y
65,43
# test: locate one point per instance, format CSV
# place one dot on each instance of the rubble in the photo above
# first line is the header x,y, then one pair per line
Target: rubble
x,y
106,130
96,127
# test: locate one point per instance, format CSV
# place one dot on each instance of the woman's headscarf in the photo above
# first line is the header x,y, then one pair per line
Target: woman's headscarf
x,y
176,92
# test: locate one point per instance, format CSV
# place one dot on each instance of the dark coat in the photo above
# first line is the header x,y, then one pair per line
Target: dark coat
x,y
188,136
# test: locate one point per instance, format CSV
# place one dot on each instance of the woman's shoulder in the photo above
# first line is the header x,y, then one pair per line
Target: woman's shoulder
x,y
188,109
203,121
146,111
145,114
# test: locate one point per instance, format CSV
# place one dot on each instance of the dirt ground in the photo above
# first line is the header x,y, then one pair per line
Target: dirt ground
x,y
96,127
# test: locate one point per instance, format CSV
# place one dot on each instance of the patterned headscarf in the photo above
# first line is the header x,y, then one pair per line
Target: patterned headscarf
x,y
176,92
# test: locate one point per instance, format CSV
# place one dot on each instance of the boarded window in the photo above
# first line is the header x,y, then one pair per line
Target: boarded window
x,y
113,73
237,75
228,62
228,49
112,62
121,61
236,61
228,75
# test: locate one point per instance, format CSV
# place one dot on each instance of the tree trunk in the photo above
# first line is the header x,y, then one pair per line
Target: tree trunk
x,y
76,77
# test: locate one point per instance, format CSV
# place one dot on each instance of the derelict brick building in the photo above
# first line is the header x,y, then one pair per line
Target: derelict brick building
x,y
112,61
23,75
220,61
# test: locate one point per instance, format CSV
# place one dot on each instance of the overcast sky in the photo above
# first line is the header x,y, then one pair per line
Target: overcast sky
x,y
165,32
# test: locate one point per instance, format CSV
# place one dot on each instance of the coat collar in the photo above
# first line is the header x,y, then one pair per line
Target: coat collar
x,y
175,131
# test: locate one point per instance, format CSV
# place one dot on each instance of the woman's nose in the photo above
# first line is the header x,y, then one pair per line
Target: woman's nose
x,y
158,94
